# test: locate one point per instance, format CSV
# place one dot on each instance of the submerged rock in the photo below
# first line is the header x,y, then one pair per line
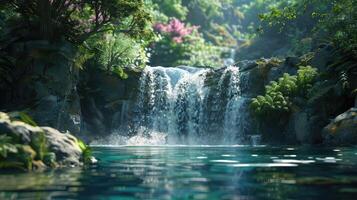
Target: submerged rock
x,y
30,147
343,129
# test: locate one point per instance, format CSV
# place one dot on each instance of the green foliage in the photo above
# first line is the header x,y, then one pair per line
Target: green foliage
x,y
210,8
200,53
323,20
22,116
171,8
86,152
39,144
77,20
43,33
6,146
278,98
13,155
194,51
306,76
117,51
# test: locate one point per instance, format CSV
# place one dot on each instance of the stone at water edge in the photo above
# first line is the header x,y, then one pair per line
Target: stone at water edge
x,y
64,145
343,129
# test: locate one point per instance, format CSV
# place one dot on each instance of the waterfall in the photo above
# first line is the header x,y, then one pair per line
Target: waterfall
x,y
231,115
190,105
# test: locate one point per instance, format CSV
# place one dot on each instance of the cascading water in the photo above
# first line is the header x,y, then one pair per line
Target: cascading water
x,y
231,114
190,106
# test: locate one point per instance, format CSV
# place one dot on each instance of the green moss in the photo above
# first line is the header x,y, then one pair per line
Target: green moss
x,y
50,159
39,144
86,151
15,156
265,65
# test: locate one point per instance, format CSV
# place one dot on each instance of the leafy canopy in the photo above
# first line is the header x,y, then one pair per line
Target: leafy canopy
x,y
77,20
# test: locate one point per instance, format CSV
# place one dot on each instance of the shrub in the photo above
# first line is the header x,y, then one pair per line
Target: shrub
x,y
117,52
182,44
278,97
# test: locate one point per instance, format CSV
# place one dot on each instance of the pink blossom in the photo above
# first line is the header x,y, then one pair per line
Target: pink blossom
x,y
176,29
178,40
159,27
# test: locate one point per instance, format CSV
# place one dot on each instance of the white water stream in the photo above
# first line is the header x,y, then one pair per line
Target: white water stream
x,y
177,102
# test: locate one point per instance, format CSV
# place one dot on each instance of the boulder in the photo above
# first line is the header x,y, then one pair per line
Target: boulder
x,y
64,145
304,127
343,129
19,130
61,149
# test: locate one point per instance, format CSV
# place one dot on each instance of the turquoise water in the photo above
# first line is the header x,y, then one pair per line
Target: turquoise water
x,y
197,172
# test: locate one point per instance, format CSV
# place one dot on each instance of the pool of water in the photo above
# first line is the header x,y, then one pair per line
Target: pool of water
x,y
196,172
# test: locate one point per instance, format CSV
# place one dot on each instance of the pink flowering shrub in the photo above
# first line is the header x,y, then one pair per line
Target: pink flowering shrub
x,y
182,44
176,29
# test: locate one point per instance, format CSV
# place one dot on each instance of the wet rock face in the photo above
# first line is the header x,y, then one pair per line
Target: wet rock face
x,y
47,88
343,129
304,128
60,149
106,101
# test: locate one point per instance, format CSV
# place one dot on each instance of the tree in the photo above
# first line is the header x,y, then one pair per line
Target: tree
x,y
77,20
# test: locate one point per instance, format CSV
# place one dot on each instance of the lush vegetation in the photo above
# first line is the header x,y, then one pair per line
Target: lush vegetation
x,y
333,21
40,38
281,96
305,26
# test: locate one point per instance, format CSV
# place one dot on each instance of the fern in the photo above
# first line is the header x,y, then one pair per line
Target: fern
x,y
276,100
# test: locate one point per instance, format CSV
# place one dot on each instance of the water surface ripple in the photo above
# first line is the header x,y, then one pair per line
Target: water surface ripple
x,y
196,172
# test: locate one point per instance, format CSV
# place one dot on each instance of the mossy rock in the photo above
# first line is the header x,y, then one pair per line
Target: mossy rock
x,y
27,147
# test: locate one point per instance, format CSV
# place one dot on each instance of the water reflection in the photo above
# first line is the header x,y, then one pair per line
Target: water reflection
x,y
209,172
